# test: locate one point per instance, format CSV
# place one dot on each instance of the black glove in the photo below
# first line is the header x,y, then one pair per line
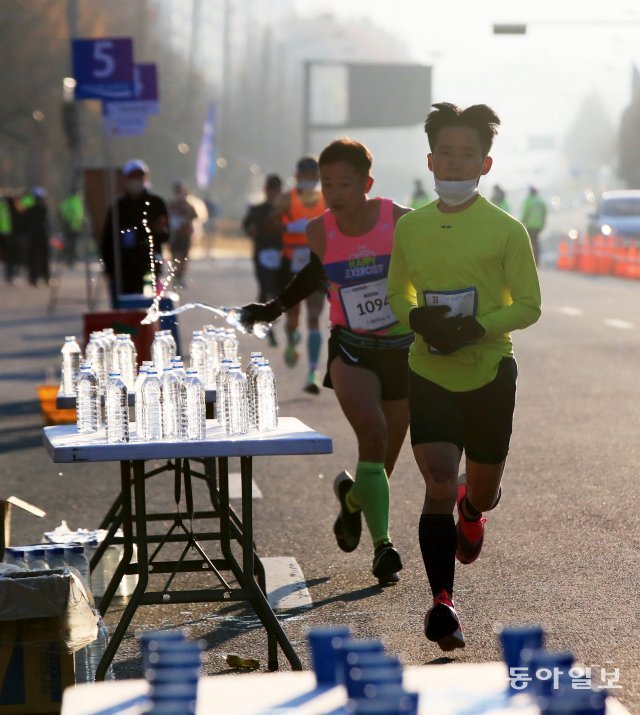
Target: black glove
x,y
454,333
444,334
427,318
261,312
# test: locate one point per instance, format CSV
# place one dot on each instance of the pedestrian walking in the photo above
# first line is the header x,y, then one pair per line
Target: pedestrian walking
x,y
420,197
499,198
462,276
534,217
9,246
293,210
267,243
142,228
367,363
36,228
71,212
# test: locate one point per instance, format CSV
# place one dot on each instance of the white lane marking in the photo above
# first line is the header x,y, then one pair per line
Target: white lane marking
x,y
568,310
622,324
235,487
286,587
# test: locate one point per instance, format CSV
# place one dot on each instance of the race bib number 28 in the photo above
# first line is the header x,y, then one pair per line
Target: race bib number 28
x,y
366,306
462,302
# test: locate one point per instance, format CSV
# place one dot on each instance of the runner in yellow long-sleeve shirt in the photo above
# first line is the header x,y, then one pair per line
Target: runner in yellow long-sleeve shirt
x,y
462,276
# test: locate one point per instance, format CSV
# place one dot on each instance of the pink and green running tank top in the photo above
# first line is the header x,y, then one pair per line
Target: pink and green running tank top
x,y
356,268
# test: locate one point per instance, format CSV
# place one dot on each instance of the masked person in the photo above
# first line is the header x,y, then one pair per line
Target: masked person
x,y
292,211
462,276
367,365
142,227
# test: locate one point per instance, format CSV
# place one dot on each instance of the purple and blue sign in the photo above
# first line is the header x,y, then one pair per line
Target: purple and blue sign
x,y
103,68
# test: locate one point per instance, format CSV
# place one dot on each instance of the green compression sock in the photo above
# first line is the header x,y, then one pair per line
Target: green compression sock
x,y
371,492
314,345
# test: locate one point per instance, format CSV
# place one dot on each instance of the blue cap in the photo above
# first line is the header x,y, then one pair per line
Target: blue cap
x,y
135,165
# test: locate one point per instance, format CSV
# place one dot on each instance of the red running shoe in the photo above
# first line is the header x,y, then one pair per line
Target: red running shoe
x,y
441,623
470,533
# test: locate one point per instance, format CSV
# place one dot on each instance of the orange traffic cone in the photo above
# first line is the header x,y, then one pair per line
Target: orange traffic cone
x,y
587,262
563,262
631,266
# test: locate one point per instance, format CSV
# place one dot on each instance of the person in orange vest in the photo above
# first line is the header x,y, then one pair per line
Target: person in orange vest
x,y
293,210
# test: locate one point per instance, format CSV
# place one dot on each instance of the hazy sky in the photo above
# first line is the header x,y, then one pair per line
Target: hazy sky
x,y
534,82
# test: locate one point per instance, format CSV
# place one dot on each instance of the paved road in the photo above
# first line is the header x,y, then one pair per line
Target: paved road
x,y
562,549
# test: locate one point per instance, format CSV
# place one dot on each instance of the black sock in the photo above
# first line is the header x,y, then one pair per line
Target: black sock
x,y
469,511
438,544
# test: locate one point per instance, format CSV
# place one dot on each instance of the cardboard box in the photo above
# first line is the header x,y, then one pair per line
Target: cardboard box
x,y
35,666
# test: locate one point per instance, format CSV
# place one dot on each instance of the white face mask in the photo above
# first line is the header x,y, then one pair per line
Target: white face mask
x,y
455,193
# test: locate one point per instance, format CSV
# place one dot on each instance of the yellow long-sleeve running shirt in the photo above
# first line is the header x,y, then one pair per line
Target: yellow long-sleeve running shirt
x,y
479,262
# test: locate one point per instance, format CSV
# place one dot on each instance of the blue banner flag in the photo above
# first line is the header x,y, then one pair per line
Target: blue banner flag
x,y
206,158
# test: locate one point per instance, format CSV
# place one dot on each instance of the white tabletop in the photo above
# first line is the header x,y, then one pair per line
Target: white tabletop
x,y
64,444
450,689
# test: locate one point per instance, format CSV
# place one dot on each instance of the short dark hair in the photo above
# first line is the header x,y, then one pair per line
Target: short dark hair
x,y
351,152
479,117
307,163
273,181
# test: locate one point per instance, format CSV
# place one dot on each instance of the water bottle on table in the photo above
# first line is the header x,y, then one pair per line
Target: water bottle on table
x,y
235,400
71,356
173,405
125,360
266,405
117,410
196,406
152,407
88,408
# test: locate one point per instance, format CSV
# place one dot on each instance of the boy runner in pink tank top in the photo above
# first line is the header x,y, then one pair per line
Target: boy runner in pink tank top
x,y
367,364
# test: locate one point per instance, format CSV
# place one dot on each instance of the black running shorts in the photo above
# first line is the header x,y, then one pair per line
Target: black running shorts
x,y
478,421
389,364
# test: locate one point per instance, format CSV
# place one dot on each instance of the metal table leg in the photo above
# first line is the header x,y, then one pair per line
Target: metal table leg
x,y
258,598
143,559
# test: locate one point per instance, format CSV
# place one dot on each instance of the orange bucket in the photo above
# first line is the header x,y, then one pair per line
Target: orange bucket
x,y
50,413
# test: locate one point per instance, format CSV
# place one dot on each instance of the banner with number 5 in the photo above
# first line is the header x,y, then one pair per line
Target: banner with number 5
x,y
103,68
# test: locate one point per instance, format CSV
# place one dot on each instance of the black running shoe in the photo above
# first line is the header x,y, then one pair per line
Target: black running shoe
x,y
348,525
442,625
386,563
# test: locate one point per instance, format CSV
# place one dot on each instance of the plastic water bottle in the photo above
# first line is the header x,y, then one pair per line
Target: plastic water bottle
x,y
55,557
152,406
198,352
236,401
15,557
230,345
109,337
212,364
221,381
75,558
71,356
178,367
117,409
174,405
125,360
36,559
250,371
171,342
88,401
139,403
266,398
236,318
196,406
96,356
163,349
88,659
